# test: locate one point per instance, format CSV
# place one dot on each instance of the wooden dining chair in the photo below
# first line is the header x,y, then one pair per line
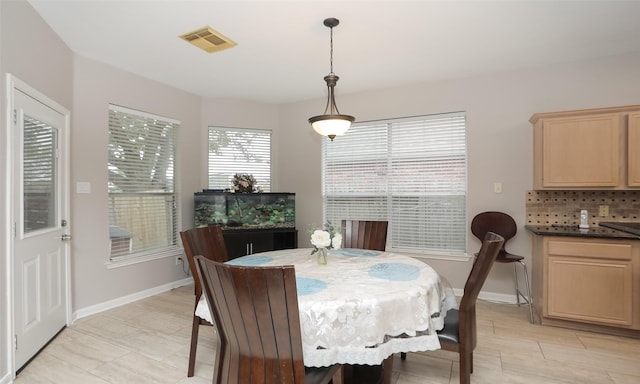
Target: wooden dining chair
x,y
256,312
208,242
460,331
372,235
364,234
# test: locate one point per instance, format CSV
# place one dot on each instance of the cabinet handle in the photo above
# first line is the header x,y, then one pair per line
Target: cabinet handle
x,y
247,250
251,245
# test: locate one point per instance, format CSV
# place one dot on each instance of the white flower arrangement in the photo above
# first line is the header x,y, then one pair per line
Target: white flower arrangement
x,y
328,238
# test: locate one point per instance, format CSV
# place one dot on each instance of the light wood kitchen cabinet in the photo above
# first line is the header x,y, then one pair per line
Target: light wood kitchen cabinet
x,y
588,283
587,149
633,149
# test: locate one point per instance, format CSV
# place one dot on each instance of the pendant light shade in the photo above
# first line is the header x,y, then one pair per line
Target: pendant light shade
x,y
331,123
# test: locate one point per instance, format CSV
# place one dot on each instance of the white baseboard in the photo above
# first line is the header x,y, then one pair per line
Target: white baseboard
x,y
6,379
491,296
498,297
92,310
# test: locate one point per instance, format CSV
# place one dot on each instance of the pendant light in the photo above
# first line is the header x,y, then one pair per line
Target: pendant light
x,y
331,123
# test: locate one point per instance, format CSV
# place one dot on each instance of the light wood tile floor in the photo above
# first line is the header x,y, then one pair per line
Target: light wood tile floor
x,y
148,342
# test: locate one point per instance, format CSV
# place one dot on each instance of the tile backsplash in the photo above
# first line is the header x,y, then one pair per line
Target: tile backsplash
x,y
563,207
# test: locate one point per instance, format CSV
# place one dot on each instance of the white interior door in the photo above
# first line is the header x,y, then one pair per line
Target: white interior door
x,y
40,195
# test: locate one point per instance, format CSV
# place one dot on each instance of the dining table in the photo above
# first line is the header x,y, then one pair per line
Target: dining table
x,y
362,306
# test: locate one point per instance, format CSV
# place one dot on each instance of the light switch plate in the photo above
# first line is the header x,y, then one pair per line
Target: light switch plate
x,y
83,187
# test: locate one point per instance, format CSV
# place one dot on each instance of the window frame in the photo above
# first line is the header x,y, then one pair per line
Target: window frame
x,y
172,249
379,136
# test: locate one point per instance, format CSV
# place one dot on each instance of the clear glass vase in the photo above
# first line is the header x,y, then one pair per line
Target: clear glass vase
x,y
322,256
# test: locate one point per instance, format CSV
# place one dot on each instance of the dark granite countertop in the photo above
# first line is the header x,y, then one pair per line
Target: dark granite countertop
x,y
574,231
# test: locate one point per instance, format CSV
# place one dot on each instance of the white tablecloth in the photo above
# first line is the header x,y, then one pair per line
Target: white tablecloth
x,y
361,307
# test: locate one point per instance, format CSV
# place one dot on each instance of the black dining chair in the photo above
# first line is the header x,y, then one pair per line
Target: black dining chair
x,y
460,331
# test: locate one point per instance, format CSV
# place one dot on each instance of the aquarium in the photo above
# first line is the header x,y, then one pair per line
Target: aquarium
x,y
245,210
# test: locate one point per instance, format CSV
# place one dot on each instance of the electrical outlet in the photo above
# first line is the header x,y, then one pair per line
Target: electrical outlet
x,y
178,260
497,187
603,210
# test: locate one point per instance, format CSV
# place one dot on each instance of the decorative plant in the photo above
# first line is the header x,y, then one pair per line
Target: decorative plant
x,y
243,183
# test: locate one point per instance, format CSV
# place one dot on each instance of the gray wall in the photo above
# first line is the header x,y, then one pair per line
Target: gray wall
x,y
95,87
5,331
30,51
499,140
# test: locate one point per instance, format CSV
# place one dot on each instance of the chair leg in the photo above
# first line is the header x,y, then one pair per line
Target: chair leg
x,y
195,327
338,377
529,298
387,370
466,367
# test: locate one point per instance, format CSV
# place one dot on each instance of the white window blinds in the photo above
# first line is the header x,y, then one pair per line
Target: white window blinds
x,y
142,195
239,150
410,172
39,174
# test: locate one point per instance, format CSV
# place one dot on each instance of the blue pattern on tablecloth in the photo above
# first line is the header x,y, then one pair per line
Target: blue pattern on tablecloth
x,y
308,286
395,271
250,261
354,252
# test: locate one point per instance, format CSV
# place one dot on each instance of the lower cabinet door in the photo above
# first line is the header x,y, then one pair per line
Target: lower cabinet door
x,y
260,242
236,244
285,239
591,290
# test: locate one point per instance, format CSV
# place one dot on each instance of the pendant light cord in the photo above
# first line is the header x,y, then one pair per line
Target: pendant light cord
x,y
331,53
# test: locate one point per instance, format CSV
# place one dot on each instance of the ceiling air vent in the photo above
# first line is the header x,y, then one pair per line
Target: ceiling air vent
x,y
208,39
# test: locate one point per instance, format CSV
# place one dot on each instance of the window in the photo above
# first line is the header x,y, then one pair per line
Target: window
x,y
39,175
411,172
142,193
239,150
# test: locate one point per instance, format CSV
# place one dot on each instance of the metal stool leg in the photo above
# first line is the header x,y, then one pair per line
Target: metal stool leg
x,y
515,278
529,298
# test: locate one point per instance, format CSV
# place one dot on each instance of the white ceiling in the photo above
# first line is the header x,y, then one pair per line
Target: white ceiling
x,y
283,48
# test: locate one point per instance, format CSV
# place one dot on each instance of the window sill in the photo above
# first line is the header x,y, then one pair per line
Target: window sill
x,y
426,255
143,257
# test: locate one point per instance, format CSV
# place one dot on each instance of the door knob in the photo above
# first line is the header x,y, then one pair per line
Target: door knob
x,y
66,237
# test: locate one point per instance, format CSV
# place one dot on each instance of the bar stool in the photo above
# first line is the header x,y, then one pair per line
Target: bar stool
x,y
505,226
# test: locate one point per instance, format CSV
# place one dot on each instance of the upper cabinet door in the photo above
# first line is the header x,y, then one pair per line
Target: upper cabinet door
x,y
581,151
633,150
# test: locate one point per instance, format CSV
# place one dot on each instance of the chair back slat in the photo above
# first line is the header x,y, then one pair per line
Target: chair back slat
x,y
477,276
256,312
211,282
364,234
